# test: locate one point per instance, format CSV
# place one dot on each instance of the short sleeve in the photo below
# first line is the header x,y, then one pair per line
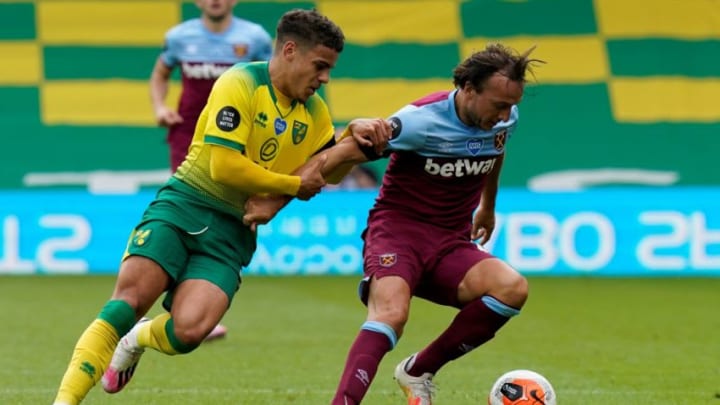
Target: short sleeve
x,y
170,52
407,129
263,47
229,110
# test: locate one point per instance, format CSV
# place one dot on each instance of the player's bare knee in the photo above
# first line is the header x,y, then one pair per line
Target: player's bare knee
x,y
191,335
390,305
395,316
513,289
132,298
140,282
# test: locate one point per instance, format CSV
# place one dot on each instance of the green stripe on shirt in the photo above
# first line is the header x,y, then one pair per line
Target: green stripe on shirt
x,y
216,140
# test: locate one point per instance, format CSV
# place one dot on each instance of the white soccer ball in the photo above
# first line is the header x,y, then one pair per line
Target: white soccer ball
x,y
522,387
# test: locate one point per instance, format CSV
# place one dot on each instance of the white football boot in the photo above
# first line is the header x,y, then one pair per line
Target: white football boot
x,y
418,390
124,361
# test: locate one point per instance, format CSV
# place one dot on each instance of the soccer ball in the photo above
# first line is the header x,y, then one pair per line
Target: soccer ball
x,y
522,387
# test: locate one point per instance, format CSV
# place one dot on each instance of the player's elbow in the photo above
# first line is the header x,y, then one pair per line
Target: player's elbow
x,y
217,174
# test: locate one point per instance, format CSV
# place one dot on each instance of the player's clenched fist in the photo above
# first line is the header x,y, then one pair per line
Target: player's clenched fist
x,y
371,132
311,179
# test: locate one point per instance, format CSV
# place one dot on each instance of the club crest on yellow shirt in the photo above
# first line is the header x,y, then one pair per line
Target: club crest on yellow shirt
x,y
299,131
141,236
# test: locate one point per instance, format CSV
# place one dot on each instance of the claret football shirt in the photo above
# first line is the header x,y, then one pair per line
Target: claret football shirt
x,y
438,164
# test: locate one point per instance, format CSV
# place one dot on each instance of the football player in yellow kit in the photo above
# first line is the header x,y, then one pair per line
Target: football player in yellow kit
x,y
262,123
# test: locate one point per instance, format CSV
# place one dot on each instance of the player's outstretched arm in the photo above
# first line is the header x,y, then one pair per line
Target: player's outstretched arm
x,y
232,168
370,136
339,160
370,133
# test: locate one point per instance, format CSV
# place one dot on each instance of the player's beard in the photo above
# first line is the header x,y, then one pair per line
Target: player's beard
x,y
488,125
218,18
476,120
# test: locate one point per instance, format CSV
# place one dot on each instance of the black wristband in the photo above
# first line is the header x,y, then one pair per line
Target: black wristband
x,y
369,152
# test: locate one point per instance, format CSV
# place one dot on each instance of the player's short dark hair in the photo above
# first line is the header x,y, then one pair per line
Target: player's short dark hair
x,y
309,28
495,58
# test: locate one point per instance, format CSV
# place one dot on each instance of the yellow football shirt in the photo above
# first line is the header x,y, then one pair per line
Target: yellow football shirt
x,y
246,113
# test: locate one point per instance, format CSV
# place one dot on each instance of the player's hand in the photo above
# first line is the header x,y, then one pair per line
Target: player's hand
x,y
483,225
311,179
371,132
259,210
166,117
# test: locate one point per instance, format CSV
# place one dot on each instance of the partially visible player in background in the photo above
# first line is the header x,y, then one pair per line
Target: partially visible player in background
x,y
262,123
203,48
437,197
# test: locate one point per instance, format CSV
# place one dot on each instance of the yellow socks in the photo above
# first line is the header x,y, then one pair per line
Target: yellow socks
x,y
96,345
154,334
94,350
91,356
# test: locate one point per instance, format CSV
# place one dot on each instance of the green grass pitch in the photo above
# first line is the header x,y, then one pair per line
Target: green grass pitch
x,y
599,341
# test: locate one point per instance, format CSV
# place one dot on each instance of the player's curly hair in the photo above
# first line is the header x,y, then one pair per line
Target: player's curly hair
x,y
309,28
495,58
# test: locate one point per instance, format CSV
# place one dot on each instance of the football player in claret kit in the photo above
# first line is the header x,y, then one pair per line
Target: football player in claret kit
x,y
437,197
202,48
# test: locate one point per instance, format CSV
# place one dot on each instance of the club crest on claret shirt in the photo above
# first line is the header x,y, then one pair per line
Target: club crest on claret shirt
x,y
240,50
388,259
500,138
